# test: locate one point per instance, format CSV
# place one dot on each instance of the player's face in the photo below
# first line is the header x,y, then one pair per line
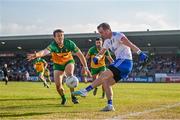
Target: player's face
x,y
59,38
99,44
105,34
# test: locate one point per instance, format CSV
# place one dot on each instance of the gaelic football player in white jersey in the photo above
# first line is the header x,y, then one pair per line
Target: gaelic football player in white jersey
x,y
119,44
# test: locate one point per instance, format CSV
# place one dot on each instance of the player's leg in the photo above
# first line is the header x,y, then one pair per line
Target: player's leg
x,y
95,74
103,90
109,94
94,77
41,76
69,70
58,77
112,72
105,75
48,76
6,80
84,76
43,81
120,69
49,79
64,78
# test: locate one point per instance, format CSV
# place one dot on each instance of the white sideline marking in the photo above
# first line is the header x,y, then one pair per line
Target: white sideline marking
x,y
120,117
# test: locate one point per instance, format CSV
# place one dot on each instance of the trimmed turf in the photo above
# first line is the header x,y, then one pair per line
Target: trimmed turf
x,y
30,100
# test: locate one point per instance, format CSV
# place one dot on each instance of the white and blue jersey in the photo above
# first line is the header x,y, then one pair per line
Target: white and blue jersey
x,y
123,55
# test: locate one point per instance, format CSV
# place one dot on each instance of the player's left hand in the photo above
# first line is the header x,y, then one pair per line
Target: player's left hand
x,y
31,56
143,57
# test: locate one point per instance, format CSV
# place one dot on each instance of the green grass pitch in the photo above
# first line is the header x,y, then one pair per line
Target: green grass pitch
x,y
30,100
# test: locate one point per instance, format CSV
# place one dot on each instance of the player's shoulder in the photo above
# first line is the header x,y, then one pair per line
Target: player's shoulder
x,y
41,59
92,48
68,40
36,60
117,33
53,44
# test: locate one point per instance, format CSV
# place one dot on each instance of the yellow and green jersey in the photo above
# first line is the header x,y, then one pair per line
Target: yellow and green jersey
x,y
46,72
61,55
93,51
39,64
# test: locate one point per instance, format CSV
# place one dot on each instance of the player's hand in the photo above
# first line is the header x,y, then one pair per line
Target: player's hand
x,y
143,57
31,56
95,60
86,71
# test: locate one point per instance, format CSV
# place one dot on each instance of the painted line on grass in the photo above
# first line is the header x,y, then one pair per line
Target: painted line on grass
x,y
126,116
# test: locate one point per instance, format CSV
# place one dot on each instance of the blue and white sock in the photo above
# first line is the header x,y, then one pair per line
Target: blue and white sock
x,y
89,88
110,102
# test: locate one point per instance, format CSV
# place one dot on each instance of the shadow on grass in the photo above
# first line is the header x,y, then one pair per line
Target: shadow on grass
x,y
28,99
33,106
24,114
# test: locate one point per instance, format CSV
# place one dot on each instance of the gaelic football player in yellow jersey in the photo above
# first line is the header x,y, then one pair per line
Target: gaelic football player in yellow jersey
x,y
61,50
40,66
96,69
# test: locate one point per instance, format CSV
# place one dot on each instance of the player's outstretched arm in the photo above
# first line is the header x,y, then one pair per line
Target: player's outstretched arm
x,y
84,62
87,56
46,64
142,55
128,43
38,54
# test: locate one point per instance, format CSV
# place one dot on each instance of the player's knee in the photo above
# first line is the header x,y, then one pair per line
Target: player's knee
x,y
41,77
94,77
59,89
69,74
105,84
106,75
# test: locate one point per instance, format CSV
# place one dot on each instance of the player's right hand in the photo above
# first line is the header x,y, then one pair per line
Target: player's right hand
x,y
87,72
95,60
143,57
31,56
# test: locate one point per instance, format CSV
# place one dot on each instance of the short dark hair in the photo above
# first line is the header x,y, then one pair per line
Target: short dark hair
x,y
98,39
56,31
105,26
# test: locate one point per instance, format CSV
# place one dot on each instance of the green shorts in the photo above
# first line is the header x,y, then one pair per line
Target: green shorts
x,y
40,72
62,67
98,70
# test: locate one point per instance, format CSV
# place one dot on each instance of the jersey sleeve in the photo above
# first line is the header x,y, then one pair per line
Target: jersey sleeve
x,y
73,47
90,52
43,60
51,47
120,36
